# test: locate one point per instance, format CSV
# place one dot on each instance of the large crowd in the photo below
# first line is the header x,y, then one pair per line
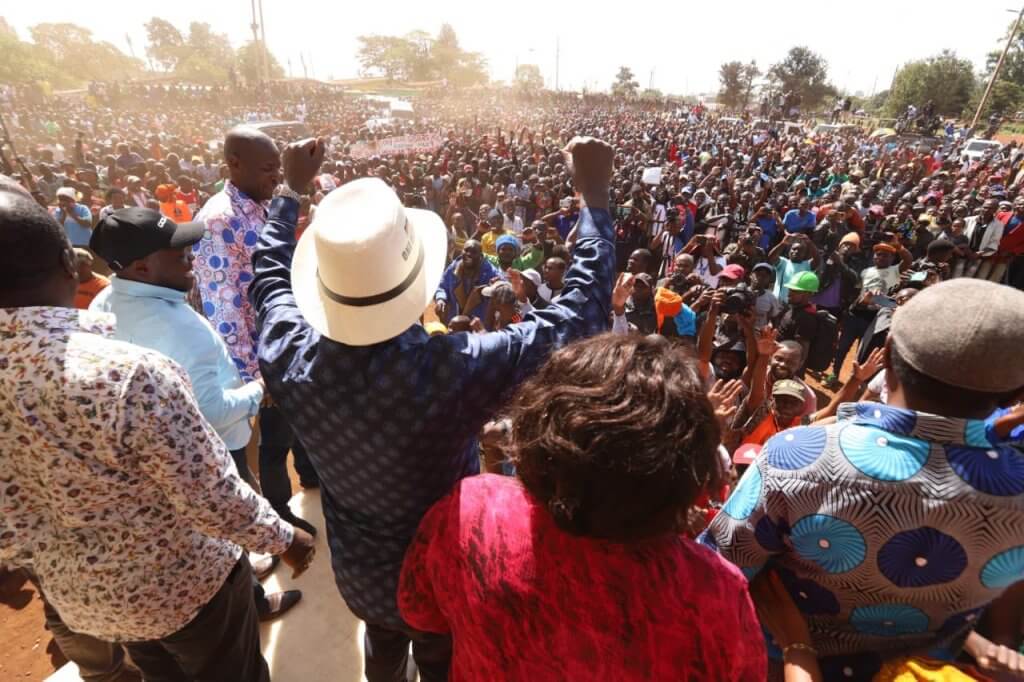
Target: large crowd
x,y
746,393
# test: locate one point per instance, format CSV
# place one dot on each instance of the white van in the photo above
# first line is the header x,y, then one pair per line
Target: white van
x,y
977,148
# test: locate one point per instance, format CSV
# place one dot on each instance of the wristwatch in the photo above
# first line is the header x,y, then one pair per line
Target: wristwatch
x,y
286,191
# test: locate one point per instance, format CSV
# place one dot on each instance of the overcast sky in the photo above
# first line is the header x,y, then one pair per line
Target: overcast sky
x,y
682,43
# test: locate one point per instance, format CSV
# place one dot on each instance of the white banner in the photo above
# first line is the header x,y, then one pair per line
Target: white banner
x,y
652,176
404,144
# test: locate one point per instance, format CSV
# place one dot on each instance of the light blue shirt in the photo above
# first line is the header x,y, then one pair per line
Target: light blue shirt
x,y
77,234
160,319
784,271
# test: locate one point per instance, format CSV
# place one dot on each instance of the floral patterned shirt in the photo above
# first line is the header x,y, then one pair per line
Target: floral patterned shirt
x,y
113,488
223,268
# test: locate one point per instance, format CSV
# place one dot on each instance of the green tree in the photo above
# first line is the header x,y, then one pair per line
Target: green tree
x,y
213,46
944,79
24,62
529,78
249,63
730,77
1013,65
625,84
201,56
748,74
470,70
1006,99
804,73
74,51
652,94
388,56
164,43
446,52
416,56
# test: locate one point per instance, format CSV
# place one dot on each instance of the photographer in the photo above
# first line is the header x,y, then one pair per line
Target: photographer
x,y
669,243
726,347
708,262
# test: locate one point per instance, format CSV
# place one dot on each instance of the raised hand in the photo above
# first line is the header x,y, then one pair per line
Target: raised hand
x,y
767,340
622,291
301,161
874,363
724,398
590,161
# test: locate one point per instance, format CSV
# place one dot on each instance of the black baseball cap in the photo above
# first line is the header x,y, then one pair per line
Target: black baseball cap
x,y
129,234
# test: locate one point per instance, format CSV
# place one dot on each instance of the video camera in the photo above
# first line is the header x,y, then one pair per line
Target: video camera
x,y
738,299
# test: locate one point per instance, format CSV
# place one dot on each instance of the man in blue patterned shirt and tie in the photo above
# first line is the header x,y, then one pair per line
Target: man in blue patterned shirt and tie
x,y
894,528
388,414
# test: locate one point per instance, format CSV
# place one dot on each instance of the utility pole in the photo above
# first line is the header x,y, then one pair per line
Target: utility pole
x,y
558,56
995,71
255,32
263,42
650,81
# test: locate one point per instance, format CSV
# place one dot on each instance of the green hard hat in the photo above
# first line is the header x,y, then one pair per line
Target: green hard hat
x,y
804,281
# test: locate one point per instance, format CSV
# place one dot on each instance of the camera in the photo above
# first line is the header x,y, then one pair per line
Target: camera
x,y
738,299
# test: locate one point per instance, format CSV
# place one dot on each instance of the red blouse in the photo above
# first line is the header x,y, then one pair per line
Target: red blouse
x,y
527,601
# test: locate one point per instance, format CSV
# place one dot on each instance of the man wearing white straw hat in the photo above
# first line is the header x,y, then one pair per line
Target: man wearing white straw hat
x,y
388,414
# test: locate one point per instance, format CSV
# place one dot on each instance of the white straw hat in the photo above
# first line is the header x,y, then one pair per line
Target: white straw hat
x,y
367,267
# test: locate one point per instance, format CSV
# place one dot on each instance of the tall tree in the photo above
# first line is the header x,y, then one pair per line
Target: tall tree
x,y
164,43
388,56
417,56
944,79
625,84
730,77
748,74
249,63
529,78
804,73
74,51
25,62
470,70
1013,65
446,52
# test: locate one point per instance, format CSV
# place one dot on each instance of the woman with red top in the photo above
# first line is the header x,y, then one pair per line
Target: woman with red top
x,y
577,569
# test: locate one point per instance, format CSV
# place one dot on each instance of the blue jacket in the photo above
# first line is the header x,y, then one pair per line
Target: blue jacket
x,y
391,427
450,282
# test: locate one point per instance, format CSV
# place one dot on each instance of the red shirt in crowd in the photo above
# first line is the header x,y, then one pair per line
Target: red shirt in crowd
x,y
526,601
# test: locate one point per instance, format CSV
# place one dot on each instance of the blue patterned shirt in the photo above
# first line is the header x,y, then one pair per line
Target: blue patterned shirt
x,y
392,427
223,268
891,529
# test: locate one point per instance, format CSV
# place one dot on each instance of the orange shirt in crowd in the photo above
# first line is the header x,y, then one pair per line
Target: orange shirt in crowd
x,y
177,210
87,290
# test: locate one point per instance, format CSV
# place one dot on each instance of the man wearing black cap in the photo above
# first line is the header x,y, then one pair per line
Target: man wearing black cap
x,y
152,260
897,526
119,496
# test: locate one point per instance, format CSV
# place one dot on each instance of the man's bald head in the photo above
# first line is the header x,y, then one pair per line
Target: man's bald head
x,y
253,161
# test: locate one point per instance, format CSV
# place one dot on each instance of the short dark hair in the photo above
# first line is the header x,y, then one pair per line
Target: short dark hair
x,y
921,387
615,436
32,243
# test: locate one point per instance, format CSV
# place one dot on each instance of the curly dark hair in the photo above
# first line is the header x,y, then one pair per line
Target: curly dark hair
x,y
616,437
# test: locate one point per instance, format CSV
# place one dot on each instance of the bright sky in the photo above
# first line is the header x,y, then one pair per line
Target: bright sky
x,y
682,43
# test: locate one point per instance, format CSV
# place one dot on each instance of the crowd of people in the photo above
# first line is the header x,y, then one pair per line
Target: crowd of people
x,y
747,400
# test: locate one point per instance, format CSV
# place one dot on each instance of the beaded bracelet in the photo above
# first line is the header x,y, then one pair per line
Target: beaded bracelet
x,y
799,646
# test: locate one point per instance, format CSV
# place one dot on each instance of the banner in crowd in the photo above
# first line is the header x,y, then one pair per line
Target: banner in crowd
x,y
403,144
